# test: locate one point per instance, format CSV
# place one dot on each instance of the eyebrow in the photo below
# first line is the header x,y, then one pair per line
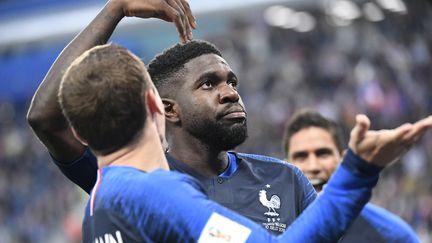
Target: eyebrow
x,y
319,151
299,154
213,74
323,151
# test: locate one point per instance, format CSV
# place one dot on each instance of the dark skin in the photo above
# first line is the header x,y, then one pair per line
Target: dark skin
x,y
45,116
208,92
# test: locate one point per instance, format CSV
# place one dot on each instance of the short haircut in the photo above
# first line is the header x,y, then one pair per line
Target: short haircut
x,y
166,68
102,97
309,118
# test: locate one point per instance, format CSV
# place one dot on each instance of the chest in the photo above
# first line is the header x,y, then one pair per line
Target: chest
x,y
271,200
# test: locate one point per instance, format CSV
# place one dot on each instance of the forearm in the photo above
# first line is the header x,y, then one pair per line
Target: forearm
x,y
45,115
45,102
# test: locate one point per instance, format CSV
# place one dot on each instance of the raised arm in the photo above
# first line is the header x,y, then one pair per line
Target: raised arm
x,y
45,116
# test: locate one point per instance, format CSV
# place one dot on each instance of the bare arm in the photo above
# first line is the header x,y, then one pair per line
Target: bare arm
x,y
45,115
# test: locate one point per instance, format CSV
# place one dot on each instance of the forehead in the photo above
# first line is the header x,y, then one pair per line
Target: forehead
x,y
310,139
204,64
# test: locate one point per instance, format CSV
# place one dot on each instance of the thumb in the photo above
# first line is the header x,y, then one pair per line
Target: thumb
x,y
361,127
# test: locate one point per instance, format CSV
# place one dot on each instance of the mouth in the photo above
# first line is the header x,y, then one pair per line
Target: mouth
x,y
317,182
235,115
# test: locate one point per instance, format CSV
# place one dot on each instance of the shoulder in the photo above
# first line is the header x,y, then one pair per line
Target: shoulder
x,y
134,184
138,197
264,160
373,213
270,162
388,223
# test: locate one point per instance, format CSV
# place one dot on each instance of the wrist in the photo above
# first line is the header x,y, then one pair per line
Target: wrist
x,y
358,165
115,9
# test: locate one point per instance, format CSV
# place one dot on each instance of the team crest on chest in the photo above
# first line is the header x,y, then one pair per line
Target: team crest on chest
x,y
272,202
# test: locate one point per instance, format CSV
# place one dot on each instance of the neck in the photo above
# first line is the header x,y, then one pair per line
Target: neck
x,y
202,157
146,154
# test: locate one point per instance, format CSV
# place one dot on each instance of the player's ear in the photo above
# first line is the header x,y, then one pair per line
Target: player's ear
x,y
171,110
80,139
153,102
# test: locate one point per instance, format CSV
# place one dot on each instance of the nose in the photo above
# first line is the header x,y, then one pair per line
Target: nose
x,y
314,166
227,94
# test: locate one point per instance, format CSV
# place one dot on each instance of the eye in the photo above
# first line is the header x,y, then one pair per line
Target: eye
x,y
233,83
324,153
208,84
299,157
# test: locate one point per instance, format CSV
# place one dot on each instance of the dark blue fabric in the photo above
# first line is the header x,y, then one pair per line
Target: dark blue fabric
x,y
82,171
360,166
375,224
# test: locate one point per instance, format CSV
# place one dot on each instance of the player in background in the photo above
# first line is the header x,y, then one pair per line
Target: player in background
x,y
136,198
315,145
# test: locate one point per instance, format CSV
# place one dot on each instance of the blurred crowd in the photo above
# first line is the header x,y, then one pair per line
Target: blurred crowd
x,y
382,69
36,201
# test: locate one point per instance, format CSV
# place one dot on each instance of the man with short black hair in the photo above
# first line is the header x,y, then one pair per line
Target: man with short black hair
x,y
314,144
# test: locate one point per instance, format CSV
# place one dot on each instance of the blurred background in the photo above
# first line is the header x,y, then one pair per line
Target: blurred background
x,y
337,56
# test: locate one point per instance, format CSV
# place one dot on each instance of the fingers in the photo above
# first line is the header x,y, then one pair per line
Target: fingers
x,y
189,14
418,129
175,16
176,12
176,4
361,127
402,132
182,5
384,146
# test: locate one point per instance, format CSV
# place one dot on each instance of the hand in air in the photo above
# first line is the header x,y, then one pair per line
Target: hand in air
x,y
382,147
176,11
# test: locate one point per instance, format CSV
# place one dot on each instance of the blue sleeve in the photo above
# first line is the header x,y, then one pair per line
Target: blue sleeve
x,y
82,171
308,192
391,227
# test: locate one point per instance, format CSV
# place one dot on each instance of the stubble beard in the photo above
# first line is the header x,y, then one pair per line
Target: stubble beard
x,y
218,135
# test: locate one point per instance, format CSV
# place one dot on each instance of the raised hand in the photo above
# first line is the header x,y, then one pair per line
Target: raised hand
x,y
382,147
177,11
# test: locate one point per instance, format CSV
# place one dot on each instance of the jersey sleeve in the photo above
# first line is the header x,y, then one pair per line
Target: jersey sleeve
x,y
82,172
389,226
307,191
